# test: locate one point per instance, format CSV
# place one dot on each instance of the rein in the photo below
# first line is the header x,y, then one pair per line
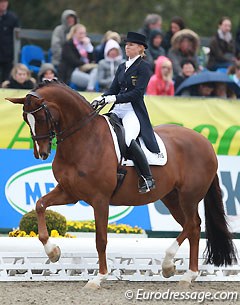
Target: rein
x,y
81,123
53,131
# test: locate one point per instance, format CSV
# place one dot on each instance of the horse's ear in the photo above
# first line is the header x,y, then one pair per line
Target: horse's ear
x,y
17,100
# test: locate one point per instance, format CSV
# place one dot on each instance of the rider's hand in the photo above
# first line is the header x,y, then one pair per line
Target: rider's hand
x,y
100,100
110,99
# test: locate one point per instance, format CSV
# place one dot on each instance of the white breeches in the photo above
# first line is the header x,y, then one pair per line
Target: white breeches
x,y
130,121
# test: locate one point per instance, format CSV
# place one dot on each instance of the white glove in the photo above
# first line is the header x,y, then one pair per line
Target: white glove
x,y
110,99
99,98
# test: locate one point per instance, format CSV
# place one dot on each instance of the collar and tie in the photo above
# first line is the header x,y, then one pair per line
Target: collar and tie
x,y
130,61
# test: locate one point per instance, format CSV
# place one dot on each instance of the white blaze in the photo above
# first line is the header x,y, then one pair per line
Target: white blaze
x,y
31,121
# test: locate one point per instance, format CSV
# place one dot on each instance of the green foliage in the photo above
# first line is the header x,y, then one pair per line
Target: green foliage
x,y
54,221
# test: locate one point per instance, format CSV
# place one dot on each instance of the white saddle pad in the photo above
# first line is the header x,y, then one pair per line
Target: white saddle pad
x,y
153,158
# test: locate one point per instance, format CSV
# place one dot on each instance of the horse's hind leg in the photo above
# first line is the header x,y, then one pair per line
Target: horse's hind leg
x,y
186,214
55,197
172,203
191,230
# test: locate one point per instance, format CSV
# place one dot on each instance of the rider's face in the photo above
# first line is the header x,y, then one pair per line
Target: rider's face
x,y
132,49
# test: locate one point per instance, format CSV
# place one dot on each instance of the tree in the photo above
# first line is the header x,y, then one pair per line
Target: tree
x,y
124,15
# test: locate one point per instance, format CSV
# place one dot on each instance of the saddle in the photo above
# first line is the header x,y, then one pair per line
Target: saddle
x,y
118,128
124,154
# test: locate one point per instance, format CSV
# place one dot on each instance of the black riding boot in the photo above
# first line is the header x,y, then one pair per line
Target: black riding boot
x,y
146,181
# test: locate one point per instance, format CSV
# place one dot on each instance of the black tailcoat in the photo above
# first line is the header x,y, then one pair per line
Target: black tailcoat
x,y
130,86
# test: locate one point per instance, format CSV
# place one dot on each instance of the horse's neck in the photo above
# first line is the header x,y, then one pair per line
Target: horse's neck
x,y
85,142
72,111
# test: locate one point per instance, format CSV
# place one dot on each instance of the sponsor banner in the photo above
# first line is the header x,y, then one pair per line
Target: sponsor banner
x,y
24,180
229,178
217,119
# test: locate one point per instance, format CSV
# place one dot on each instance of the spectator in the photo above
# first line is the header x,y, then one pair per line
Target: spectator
x,y
204,90
188,69
176,25
154,47
185,44
8,21
47,72
235,73
99,49
221,90
107,67
161,82
152,21
77,56
20,78
237,43
222,50
68,19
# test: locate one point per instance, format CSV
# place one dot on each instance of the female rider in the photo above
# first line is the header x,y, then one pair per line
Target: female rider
x,y
127,92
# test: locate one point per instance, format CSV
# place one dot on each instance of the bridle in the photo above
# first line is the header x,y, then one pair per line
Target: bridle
x,y
53,130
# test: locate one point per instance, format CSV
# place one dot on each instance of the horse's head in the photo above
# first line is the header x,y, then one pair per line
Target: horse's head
x,y
42,122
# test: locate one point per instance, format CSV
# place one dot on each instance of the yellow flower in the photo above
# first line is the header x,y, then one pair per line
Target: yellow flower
x,y
32,234
54,233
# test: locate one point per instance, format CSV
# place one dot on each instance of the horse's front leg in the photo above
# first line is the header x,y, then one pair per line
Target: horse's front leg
x,y
56,197
101,221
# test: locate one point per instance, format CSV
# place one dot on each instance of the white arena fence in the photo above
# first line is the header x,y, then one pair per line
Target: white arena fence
x,y
131,259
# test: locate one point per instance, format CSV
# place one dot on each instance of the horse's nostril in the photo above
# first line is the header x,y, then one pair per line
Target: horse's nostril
x,y
43,155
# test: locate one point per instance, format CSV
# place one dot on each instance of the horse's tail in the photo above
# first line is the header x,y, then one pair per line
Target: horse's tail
x,y
220,248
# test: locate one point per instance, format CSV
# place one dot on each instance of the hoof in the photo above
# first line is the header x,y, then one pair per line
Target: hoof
x,y
168,272
184,285
55,254
91,285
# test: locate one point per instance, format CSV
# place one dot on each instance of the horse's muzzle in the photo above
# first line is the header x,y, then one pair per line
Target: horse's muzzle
x,y
43,155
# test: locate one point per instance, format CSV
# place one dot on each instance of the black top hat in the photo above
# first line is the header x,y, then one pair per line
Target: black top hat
x,y
136,38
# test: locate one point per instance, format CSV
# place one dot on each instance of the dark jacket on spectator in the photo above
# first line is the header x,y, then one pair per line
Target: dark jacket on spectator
x,y
70,60
221,52
153,52
13,84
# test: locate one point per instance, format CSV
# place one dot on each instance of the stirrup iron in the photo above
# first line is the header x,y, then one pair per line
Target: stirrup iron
x,y
145,185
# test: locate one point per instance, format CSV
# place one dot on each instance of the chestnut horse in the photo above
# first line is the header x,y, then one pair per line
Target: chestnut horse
x,y
85,167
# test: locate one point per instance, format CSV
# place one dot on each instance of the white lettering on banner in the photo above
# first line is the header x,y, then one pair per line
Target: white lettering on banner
x,y
229,178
